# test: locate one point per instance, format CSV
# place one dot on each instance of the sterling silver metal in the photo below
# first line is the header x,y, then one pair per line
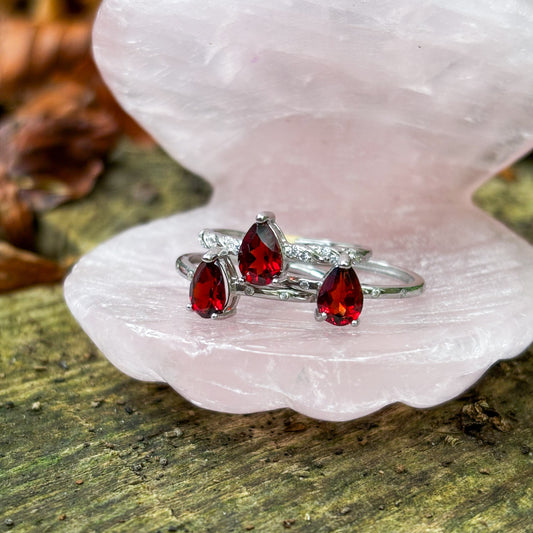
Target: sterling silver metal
x,y
304,280
309,278
186,265
315,251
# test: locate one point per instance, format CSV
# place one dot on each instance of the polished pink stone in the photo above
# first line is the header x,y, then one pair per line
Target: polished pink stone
x,y
370,122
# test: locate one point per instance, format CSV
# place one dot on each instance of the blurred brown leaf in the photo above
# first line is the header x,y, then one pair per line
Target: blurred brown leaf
x,y
53,147
507,174
16,218
61,123
34,55
29,52
48,10
20,268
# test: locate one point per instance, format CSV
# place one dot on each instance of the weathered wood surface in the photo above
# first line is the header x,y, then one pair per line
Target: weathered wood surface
x,y
85,448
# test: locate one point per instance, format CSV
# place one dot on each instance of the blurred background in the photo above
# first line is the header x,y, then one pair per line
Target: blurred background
x,y
58,125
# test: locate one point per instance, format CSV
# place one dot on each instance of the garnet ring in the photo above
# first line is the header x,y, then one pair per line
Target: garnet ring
x,y
265,254
329,280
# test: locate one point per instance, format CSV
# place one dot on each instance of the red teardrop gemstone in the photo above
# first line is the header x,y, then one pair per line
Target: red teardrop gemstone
x,y
208,291
340,296
260,256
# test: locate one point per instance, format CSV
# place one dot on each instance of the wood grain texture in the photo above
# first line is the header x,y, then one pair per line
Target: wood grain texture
x,y
84,448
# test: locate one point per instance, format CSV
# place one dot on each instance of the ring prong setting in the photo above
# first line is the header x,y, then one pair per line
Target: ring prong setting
x,y
265,216
320,317
211,255
304,285
344,260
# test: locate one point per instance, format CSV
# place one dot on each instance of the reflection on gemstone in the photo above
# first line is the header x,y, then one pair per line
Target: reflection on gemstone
x,y
260,258
208,292
340,296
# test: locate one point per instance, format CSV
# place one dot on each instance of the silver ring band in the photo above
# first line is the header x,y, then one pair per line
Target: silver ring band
x,y
303,281
318,251
302,250
413,284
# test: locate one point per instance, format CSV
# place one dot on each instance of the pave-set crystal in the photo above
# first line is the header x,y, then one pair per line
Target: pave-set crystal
x,y
269,266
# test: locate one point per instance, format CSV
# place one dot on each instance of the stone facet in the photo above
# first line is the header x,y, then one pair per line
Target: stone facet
x,y
208,291
260,257
340,296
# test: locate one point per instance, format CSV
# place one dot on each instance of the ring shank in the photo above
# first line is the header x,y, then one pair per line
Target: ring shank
x,y
304,280
317,251
412,283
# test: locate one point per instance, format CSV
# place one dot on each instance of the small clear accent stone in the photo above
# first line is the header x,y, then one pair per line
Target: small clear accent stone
x,y
304,255
354,256
249,291
292,250
284,296
210,240
376,293
304,284
288,251
231,244
328,255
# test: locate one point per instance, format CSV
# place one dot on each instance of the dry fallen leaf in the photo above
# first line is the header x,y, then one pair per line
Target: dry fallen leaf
x,y
49,9
479,415
53,147
59,124
20,268
29,52
16,218
33,55
508,174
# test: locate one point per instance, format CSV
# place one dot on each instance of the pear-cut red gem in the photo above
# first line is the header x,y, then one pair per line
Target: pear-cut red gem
x,y
260,258
208,290
340,296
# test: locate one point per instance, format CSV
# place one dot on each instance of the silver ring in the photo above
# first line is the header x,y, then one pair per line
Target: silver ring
x,y
413,284
269,240
216,286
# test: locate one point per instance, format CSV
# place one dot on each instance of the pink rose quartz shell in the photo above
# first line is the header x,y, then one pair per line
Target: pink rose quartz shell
x,y
367,122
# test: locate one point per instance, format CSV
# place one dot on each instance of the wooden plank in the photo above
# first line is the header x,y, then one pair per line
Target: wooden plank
x,y
85,448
